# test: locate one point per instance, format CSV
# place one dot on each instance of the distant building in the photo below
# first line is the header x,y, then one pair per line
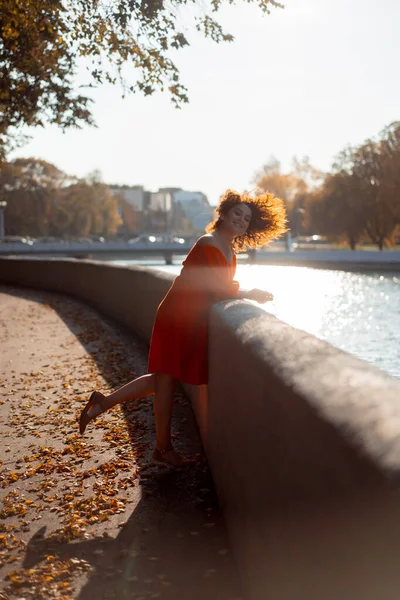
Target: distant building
x,y
171,210
195,206
136,196
160,201
133,204
160,211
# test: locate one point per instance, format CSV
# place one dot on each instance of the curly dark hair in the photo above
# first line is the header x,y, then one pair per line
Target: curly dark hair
x,y
268,218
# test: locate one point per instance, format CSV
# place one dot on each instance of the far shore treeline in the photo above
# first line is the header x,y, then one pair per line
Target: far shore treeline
x,y
357,202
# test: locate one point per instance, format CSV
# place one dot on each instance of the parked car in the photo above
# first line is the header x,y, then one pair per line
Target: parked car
x,y
159,238
168,238
16,239
51,240
314,239
143,238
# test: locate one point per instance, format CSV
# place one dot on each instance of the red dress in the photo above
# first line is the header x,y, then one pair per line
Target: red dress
x,y
180,334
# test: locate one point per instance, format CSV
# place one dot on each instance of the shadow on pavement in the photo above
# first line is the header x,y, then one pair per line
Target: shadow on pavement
x,y
174,543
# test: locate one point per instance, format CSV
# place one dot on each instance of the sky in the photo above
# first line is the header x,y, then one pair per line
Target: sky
x,y
303,81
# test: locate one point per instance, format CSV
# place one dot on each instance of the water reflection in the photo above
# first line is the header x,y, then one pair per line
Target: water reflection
x,y
359,313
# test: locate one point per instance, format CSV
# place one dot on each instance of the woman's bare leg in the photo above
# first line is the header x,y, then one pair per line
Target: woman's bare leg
x,y
163,386
163,404
137,388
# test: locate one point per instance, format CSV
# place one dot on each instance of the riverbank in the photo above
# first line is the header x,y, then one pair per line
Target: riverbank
x,y
343,260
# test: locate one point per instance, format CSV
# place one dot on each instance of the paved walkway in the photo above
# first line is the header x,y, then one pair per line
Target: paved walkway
x,y
92,517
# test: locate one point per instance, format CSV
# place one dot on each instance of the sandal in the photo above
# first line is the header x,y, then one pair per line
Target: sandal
x,y
85,419
171,458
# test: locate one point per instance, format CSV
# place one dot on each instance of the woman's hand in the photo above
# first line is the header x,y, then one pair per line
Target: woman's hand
x,y
260,296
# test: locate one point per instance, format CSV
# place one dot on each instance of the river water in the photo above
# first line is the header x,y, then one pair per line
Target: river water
x,y
357,312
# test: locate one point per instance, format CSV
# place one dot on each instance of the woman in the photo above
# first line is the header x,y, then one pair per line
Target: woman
x,y
178,348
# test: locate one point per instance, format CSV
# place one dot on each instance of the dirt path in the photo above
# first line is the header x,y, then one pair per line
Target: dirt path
x,y
92,517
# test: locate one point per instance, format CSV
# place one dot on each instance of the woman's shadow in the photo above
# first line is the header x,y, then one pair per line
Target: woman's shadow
x,y
174,543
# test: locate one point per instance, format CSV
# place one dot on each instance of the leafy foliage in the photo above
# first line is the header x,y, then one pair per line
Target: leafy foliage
x,y
335,211
44,201
360,200
37,61
42,43
291,187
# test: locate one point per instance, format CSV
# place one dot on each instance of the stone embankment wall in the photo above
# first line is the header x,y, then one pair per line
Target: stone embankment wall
x,y
303,440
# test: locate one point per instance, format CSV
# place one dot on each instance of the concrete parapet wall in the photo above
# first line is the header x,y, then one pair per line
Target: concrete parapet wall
x,y
128,295
304,446
303,440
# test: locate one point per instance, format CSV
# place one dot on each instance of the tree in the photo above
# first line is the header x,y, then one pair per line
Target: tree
x,y
284,185
291,187
42,43
334,209
85,209
389,150
29,186
132,219
376,170
360,199
42,201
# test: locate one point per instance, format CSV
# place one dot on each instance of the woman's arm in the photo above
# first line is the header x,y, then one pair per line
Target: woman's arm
x,y
211,272
259,296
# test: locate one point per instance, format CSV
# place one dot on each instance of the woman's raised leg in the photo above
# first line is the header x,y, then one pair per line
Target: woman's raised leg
x,y
163,386
141,387
98,403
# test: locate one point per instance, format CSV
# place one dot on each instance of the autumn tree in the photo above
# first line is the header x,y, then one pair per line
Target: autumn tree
x,y
376,170
42,44
29,186
292,187
132,219
390,153
84,210
360,199
42,200
334,210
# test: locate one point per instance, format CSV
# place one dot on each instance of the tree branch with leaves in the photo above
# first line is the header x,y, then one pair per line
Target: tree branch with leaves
x,y
43,43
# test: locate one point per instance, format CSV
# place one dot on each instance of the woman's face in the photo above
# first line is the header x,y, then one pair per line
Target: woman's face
x,y
237,219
